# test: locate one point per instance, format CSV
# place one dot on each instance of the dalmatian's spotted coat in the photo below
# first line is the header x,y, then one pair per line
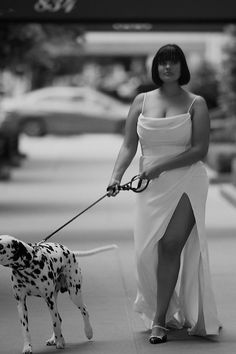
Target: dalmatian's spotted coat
x,y
43,270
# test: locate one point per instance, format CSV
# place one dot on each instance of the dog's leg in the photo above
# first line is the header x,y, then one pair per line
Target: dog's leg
x,y
23,315
74,288
57,338
52,341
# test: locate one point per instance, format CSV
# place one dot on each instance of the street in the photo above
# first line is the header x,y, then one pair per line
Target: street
x,y
60,177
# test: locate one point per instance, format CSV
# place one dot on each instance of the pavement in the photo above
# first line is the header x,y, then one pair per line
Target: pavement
x,y
228,191
61,177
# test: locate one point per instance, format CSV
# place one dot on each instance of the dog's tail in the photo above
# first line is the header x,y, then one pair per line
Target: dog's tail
x,y
94,251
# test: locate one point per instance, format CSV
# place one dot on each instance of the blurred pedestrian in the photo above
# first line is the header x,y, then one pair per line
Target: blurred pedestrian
x,y
10,154
5,172
173,276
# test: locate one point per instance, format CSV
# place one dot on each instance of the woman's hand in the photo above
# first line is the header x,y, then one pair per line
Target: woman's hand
x,y
150,173
113,188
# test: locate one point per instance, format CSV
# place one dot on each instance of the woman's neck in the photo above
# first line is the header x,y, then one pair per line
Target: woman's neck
x,y
171,90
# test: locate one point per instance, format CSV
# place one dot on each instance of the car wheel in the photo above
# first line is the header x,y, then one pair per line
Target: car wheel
x,y
33,127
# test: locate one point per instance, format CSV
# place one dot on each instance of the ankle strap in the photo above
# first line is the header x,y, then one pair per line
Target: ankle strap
x,y
158,326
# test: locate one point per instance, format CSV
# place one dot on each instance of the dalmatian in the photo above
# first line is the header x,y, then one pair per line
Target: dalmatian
x,y
44,269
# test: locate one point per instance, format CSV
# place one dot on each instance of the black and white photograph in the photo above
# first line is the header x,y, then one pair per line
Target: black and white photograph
x,y
117,177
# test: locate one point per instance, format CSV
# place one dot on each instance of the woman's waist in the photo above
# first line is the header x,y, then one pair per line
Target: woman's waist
x,y
150,160
159,151
161,155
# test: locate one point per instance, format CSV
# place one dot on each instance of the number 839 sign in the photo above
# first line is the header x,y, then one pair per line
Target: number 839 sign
x,y
54,5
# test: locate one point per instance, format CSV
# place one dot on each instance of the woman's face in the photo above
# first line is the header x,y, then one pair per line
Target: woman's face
x,y
169,71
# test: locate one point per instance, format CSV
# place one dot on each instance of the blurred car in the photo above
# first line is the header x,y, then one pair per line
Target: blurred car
x,y
64,110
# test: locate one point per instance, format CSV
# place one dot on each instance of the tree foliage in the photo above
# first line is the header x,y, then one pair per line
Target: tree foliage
x,y
204,82
227,98
16,40
38,47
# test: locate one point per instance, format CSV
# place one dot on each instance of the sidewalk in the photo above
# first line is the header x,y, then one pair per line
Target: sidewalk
x,y
41,196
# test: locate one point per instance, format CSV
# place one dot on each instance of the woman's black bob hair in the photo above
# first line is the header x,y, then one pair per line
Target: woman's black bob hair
x,y
173,53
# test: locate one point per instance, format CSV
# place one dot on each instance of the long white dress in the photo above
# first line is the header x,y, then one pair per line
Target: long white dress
x,y
192,304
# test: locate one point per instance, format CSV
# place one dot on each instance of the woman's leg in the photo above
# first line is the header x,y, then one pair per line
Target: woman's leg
x,y
169,251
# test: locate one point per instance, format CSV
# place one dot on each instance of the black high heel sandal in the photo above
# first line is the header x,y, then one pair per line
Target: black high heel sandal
x,y
156,339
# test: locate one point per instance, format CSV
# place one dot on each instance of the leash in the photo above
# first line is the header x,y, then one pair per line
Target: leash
x,y
136,185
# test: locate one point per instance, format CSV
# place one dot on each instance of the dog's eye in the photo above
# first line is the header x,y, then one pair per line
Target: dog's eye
x,y
1,247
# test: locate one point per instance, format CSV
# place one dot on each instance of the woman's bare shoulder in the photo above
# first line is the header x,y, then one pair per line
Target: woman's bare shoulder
x,y
139,98
153,92
196,98
196,102
137,103
135,108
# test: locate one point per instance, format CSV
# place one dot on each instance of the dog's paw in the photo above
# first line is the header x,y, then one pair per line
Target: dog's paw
x,y
89,332
50,342
60,344
27,349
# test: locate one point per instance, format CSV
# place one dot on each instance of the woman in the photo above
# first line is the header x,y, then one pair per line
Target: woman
x,y
172,126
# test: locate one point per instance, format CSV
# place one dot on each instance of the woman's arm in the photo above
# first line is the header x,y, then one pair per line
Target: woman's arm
x,y
199,143
130,142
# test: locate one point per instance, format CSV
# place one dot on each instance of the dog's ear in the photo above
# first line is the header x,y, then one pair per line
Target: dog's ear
x,y
21,253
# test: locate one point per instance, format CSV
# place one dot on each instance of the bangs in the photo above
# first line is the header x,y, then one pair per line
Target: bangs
x,y
169,53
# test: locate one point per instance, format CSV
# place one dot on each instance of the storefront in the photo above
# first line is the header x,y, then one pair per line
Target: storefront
x,y
125,15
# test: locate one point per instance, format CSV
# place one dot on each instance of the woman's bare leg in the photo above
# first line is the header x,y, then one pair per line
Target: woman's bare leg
x,y
169,251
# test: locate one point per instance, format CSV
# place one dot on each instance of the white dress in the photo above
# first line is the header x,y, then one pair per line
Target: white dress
x,y
192,304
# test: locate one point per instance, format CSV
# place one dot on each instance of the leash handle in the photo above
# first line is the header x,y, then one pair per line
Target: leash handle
x,y
142,184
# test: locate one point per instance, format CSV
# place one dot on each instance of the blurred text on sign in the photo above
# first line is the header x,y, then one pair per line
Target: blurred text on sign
x,y
54,5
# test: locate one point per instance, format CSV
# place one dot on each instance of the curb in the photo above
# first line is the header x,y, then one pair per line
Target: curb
x,y
229,193
218,178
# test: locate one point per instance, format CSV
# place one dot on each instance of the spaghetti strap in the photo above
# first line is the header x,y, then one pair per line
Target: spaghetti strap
x,y
192,103
144,98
